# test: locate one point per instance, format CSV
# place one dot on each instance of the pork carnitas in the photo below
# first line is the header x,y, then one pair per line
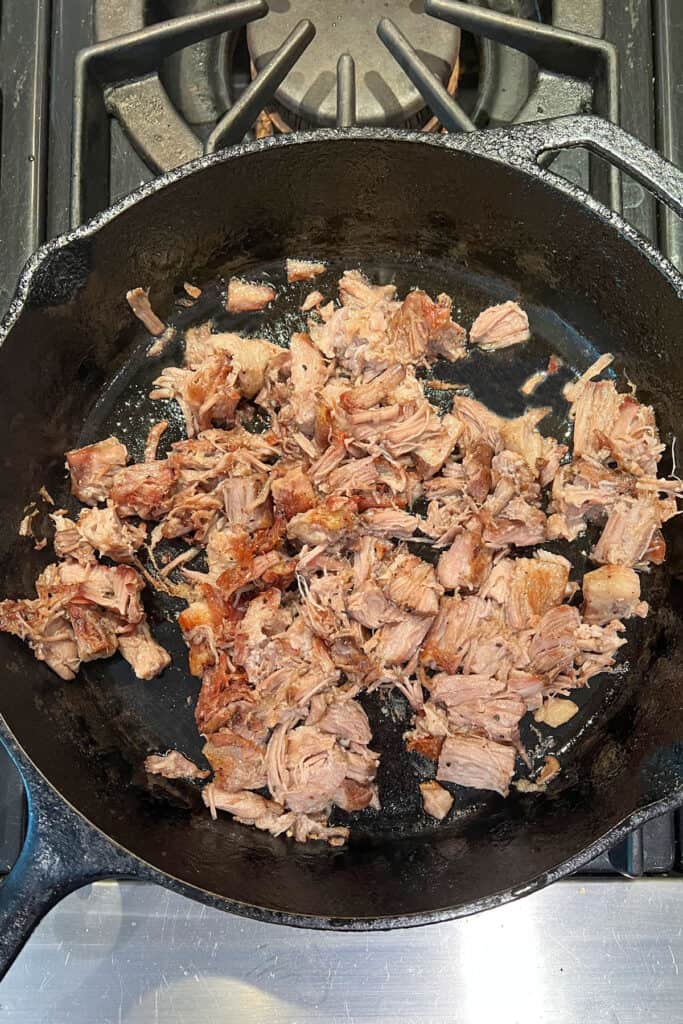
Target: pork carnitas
x,y
313,591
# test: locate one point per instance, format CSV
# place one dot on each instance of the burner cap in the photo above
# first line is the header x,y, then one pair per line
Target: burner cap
x,y
384,94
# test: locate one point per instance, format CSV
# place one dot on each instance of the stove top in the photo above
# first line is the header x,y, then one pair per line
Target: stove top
x,y
584,950
98,96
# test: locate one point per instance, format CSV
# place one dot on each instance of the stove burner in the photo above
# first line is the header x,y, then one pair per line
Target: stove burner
x,y
384,95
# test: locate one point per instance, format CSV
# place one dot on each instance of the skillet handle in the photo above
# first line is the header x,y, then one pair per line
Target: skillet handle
x,y
62,852
606,140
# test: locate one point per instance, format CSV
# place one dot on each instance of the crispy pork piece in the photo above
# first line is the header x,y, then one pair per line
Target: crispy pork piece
x,y
250,358
446,338
528,587
308,375
379,388
68,540
347,720
145,489
369,605
476,762
477,467
456,626
207,396
248,297
389,522
584,491
46,628
500,326
238,760
173,765
553,647
102,529
467,563
420,325
628,533
395,643
541,454
293,492
611,592
613,427
93,469
95,631
478,423
596,649
312,301
138,300
330,522
115,588
436,800
145,656
269,816
411,584
156,432
303,270
480,704
80,614
308,770
356,292
519,524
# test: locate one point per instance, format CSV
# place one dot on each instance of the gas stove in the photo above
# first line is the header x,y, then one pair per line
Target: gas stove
x,y
99,96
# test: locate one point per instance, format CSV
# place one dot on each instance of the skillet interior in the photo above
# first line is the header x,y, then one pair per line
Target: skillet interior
x,y
73,369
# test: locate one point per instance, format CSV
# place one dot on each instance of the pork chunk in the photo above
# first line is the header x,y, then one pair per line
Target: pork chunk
x,y
476,762
247,297
611,592
500,326
93,469
436,800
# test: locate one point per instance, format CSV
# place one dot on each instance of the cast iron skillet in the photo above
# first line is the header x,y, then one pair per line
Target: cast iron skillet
x,y
472,215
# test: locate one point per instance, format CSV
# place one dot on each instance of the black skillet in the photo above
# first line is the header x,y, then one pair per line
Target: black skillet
x,y
471,215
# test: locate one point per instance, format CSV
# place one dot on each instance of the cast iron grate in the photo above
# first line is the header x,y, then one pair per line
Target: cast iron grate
x,y
112,77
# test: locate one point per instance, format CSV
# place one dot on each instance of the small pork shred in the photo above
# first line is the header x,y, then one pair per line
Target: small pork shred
x,y
314,591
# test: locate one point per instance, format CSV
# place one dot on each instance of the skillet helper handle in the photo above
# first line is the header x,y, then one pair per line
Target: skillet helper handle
x,y
614,145
61,853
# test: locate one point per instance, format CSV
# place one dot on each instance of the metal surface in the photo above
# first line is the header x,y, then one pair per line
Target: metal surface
x,y
24,32
448,110
559,53
132,60
632,24
346,91
384,95
650,850
603,952
668,16
166,114
235,124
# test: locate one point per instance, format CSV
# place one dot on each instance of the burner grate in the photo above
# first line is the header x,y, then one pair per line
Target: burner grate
x,y
119,76
114,77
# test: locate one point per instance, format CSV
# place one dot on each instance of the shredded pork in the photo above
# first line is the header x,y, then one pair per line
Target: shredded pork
x,y
316,587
